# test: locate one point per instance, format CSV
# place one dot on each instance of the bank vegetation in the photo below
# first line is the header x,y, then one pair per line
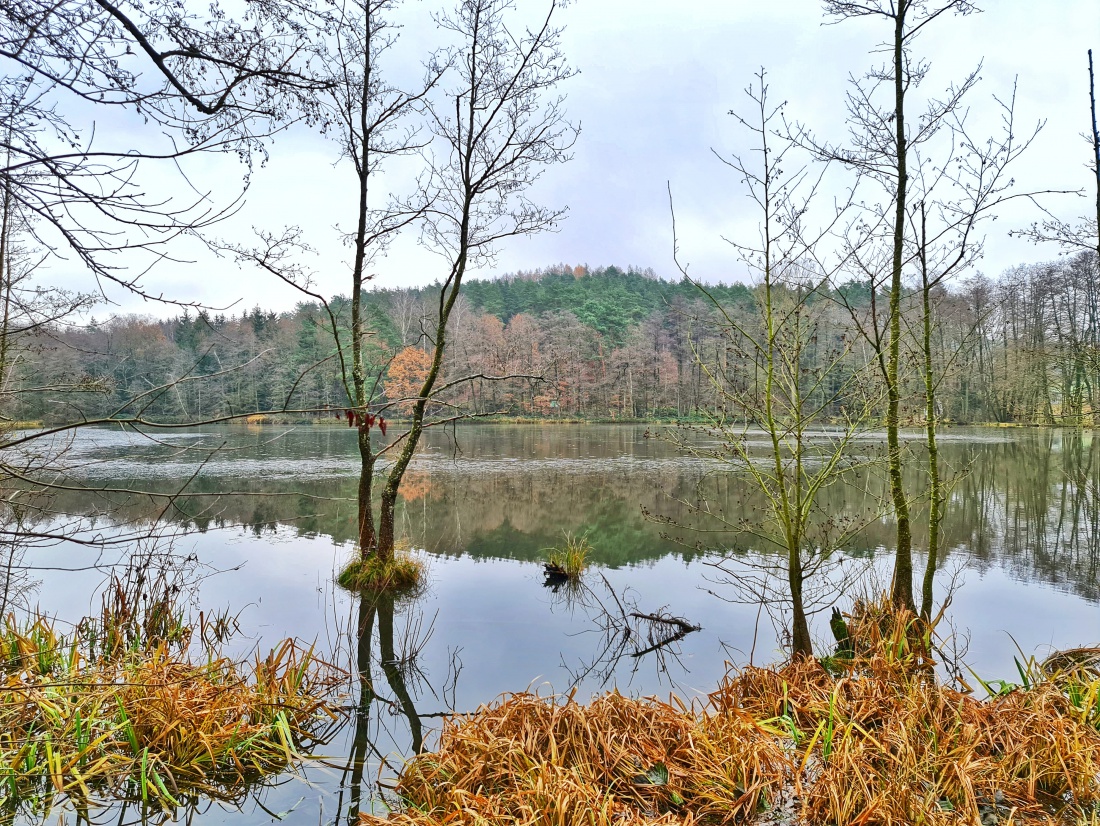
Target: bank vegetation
x,y
870,737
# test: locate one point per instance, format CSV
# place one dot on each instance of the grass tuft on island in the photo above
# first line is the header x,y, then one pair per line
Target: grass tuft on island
x,y
570,560
399,575
875,738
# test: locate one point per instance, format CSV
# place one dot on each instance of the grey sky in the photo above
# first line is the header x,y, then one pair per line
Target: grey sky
x,y
657,80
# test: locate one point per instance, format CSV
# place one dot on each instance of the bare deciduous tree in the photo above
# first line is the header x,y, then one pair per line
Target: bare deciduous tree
x,y
1086,234
74,71
498,125
909,159
94,96
485,124
789,403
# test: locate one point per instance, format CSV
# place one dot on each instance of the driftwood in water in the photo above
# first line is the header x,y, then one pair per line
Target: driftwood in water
x,y
685,626
674,628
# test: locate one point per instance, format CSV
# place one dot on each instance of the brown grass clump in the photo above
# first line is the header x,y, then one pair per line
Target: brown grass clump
x,y
882,740
923,753
531,760
146,722
877,739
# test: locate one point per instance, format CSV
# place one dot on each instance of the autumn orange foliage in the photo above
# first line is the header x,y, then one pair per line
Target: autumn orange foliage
x,y
415,485
406,376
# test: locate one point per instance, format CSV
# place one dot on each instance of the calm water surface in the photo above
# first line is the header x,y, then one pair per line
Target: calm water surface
x,y
272,509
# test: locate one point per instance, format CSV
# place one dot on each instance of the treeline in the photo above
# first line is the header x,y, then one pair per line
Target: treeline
x,y
561,342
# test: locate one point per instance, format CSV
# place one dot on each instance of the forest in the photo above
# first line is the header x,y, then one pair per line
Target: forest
x,y
599,344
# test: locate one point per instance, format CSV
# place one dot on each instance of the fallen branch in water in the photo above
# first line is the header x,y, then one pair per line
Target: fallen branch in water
x,y
681,623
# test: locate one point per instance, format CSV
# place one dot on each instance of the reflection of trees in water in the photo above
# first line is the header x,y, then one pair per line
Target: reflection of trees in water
x,y
1051,533
381,646
1029,503
16,582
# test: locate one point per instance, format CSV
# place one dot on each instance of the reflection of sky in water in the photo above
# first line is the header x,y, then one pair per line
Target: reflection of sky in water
x,y
509,632
513,632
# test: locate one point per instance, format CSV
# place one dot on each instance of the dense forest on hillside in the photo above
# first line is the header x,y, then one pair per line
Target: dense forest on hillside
x,y
601,343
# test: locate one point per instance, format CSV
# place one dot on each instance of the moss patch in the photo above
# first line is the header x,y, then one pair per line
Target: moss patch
x,y
398,575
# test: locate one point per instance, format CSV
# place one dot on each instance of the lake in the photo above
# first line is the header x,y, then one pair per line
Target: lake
x,y
268,516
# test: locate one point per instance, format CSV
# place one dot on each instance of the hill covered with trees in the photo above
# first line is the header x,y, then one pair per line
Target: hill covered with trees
x,y
600,343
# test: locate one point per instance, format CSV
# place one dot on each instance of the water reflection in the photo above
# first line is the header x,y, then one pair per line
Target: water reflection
x,y
1027,500
388,726
1025,511
624,637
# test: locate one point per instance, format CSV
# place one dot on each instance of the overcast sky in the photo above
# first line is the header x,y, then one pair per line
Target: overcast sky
x,y
656,83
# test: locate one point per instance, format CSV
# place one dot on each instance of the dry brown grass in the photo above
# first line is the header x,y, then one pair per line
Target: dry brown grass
x,y
149,723
876,748
531,760
878,741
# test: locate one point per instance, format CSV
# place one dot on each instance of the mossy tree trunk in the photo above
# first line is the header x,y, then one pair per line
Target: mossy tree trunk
x,y
901,589
935,483
886,143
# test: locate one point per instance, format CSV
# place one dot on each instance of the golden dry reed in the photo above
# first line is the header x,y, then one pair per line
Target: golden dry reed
x,y
875,739
147,724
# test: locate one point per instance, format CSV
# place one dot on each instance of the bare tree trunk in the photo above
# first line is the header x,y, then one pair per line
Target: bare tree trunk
x,y
1095,150
935,487
901,592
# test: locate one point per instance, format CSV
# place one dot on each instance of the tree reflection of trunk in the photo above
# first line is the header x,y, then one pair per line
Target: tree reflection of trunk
x,y
372,608
361,743
392,668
